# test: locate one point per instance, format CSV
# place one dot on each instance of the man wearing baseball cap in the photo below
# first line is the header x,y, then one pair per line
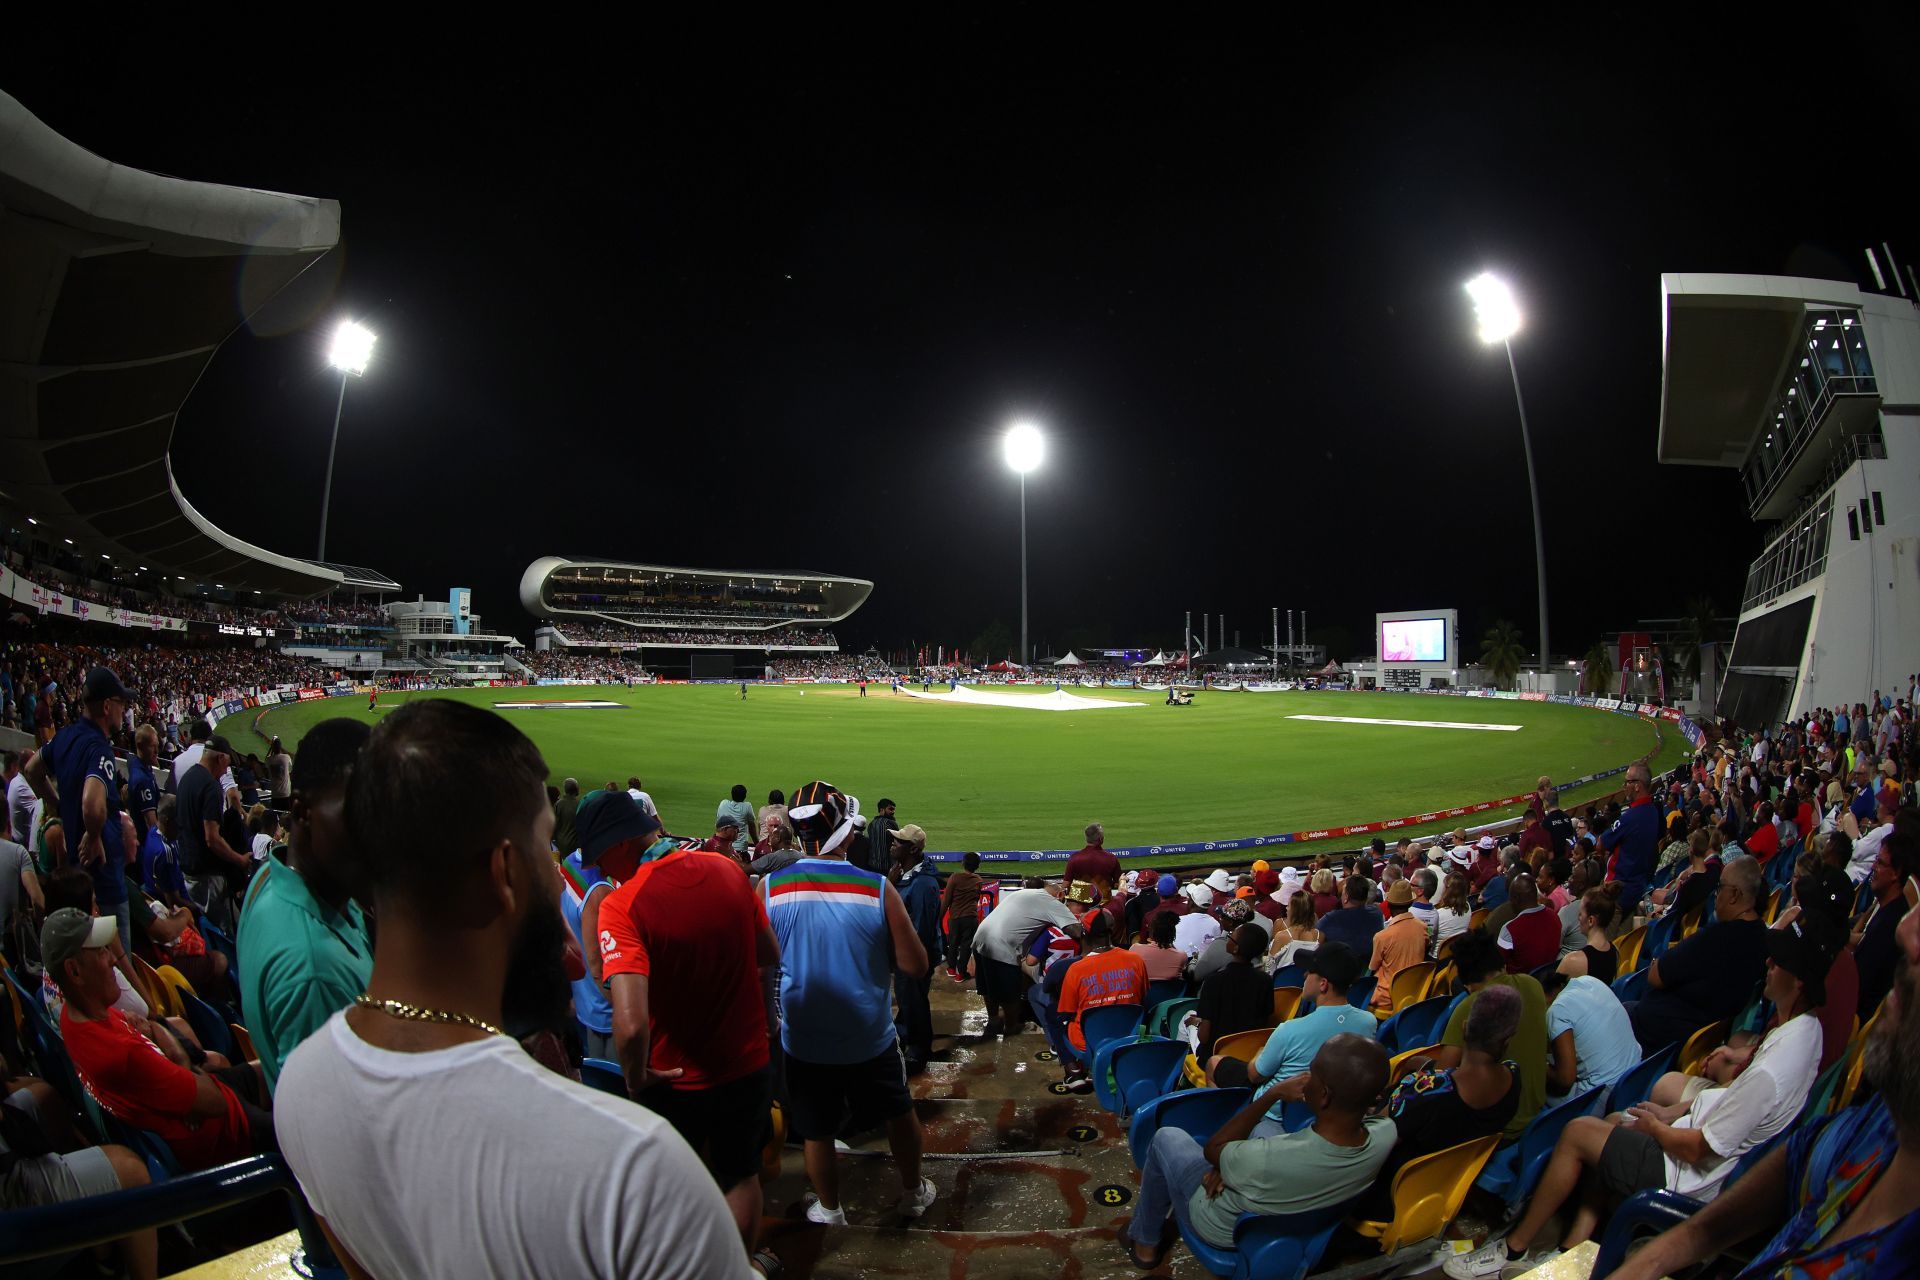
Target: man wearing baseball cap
x,y
139,1073
1328,972
210,864
690,962
616,834
79,763
919,890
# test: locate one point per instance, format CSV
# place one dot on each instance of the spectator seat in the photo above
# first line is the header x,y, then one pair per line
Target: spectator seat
x,y
1270,1247
1427,1192
605,1076
1199,1112
1512,1171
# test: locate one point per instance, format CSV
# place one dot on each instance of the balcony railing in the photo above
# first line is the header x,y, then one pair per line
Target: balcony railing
x,y
1833,362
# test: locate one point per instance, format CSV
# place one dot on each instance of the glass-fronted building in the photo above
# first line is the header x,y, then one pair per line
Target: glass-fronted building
x,y
1810,389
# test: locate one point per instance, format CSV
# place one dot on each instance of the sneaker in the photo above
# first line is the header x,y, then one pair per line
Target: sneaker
x,y
1485,1263
817,1212
914,1203
1079,1084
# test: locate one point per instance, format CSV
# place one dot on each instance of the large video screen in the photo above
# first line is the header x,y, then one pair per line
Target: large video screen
x,y
1413,640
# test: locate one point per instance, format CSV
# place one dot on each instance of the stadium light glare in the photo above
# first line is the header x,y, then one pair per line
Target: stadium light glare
x,y
1025,447
352,351
352,348
1493,305
1499,317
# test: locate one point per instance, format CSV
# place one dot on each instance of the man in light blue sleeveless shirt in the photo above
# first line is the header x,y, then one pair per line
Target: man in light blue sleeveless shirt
x,y
842,930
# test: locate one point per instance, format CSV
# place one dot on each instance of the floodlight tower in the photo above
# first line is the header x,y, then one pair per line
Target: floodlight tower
x,y
351,351
1025,448
1499,317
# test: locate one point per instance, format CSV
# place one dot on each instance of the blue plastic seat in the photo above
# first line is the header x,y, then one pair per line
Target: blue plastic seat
x,y
1109,1022
1631,986
1660,1210
1660,936
1283,1246
1140,1071
1419,1024
218,939
1514,1168
47,1050
1295,1116
1291,975
1636,1086
1164,1019
1360,994
1199,1112
598,1073
1164,990
209,1026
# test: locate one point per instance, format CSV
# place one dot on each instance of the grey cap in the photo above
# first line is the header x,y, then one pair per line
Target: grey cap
x,y
68,932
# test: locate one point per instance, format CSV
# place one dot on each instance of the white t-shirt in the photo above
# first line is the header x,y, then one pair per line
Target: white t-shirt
x,y
1019,916
20,806
1865,850
1448,923
1763,1101
644,800
476,1161
1194,932
191,757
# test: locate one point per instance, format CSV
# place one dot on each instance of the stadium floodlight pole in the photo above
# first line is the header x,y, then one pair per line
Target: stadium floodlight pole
x,y
352,349
1499,317
1025,447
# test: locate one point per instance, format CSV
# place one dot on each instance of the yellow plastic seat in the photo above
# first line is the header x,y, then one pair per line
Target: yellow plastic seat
x,y
242,1042
1444,974
152,990
1399,1061
1773,904
1478,918
1427,1192
1409,987
1285,1001
1693,1054
172,983
1194,1073
1244,1045
1856,1063
1627,947
1690,923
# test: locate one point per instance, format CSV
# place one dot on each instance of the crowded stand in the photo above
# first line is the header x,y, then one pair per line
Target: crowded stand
x,y
1684,989
587,668
842,667
584,633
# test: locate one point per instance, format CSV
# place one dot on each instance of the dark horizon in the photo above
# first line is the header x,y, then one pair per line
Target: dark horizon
x,y
736,316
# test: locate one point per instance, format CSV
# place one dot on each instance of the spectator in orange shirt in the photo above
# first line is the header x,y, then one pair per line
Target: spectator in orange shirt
x,y
1401,943
1101,977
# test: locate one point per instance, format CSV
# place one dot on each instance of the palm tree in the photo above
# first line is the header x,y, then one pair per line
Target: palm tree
x,y
1502,653
1599,664
1698,625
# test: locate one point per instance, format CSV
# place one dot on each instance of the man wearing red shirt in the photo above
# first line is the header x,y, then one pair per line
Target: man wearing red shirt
x,y
690,960
1532,936
1486,862
136,1070
1764,840
1094,865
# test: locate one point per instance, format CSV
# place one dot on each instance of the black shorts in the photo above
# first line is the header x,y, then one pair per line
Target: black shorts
x,y
1631,1161
820,1096
728,1124
998,982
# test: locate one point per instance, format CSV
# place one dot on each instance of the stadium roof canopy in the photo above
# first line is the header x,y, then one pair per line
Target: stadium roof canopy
x,y
1726,343
839,596
116,288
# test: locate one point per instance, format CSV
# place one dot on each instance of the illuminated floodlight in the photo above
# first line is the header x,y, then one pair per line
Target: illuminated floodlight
x,y
1493,305
1025,447
352,348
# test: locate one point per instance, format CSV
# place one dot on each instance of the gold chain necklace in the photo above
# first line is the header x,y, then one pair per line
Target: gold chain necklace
x,y
414,1013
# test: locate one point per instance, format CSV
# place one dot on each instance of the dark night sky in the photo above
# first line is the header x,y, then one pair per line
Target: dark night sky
x,y
772,310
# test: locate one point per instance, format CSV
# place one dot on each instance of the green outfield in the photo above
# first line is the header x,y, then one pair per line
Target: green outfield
x,y
1234,764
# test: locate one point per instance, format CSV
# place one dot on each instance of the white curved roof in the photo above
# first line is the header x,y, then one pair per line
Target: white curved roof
x,y
116,288
843,594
